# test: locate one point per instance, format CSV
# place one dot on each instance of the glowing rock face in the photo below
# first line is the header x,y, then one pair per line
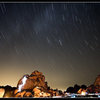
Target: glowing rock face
x,y
36,90
33,80
23,83
2,91
38,93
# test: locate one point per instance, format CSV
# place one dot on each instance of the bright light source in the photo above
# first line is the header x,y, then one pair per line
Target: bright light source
x,y
73,96
98,96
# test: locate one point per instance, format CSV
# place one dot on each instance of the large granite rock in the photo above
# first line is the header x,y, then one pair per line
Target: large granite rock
x,y
95,88
2,92
35,79
97,81
33,85
27,85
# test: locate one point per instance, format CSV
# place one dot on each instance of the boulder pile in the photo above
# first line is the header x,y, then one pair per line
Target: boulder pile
x,y
33,85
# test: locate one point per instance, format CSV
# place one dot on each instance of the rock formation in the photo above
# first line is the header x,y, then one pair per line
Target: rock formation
x,y
2,91
95,88
97,81
33,85
7,91
39,92
33,80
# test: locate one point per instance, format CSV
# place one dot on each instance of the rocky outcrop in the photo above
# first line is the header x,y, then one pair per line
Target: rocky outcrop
x,y
23,93
33,85
2,91
95,88
35,79
39,92
97,81
76,88
7,91
29,84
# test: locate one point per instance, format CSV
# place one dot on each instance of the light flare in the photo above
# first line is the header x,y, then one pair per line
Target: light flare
x,y
83,93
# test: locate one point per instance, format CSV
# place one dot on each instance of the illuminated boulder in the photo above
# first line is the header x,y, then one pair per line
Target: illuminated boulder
x,y
32,85
28,94
38,92
38,79
20,94
2,91
31,81
23,93
28,83
82,91
79,91
15,91
9,91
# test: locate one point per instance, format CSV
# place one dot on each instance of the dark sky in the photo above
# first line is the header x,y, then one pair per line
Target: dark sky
x,y
61,40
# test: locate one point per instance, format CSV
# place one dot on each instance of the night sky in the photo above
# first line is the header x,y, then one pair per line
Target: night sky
x,y
61,40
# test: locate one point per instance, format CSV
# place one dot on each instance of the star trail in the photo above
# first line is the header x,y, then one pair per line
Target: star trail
x,y
59,39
